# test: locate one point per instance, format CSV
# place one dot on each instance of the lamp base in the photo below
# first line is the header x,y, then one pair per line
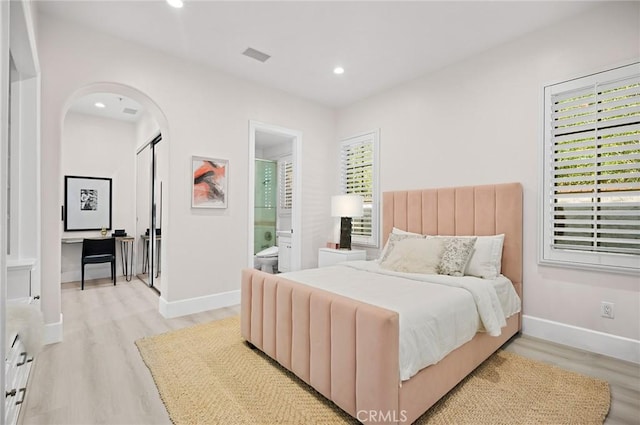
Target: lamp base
x,y
345,233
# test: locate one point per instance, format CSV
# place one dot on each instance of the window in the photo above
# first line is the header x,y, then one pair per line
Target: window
x,y
285,188
591,193
358,170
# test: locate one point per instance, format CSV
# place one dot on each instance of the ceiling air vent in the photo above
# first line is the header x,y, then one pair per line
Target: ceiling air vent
x,y
256,54
130,111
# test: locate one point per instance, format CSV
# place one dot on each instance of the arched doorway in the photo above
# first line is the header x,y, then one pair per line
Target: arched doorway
x,y
140,158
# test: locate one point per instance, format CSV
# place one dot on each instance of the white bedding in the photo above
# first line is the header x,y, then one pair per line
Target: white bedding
x,y
437,313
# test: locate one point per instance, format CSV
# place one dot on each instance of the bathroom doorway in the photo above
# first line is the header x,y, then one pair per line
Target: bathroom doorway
x,y
274,198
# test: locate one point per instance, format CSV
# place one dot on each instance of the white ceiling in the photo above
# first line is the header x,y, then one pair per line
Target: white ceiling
x,y
379,44
115,105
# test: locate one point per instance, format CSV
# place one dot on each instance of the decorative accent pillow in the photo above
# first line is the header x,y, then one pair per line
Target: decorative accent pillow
x,y
396,231
486,259
395,238
414,255
455,256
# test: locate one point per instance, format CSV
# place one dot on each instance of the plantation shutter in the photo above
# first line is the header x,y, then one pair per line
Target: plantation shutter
x,y
594,143
285,171
357,164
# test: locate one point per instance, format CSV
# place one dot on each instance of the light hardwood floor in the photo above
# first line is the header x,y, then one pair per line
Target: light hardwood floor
x,y
96,375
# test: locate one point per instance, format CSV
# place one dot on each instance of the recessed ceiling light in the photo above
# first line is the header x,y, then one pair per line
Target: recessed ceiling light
x,y
99,105
176,3
338,70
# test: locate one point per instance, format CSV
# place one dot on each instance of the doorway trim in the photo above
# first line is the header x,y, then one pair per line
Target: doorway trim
x,y
296,210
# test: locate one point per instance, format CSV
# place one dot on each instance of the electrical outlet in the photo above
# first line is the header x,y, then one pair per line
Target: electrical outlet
x,y
606,310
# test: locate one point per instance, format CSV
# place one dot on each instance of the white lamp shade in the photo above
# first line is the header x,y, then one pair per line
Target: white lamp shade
x,y
346,206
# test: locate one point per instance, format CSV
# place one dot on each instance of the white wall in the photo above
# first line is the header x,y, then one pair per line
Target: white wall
x,y
472,123
98,147
207,114
4,142
479,122
146,129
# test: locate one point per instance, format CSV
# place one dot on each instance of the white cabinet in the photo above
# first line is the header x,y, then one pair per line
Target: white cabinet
x,y
23,317
17,363
330,256
284,252
19,282
17,367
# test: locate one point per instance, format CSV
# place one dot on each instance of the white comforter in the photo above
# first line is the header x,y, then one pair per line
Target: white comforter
x,y
437,313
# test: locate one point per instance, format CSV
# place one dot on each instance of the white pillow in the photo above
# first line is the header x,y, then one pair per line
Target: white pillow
x,y
396,231
486,258
414,255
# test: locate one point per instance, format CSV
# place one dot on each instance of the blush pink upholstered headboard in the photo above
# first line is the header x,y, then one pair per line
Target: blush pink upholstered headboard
x,y
459,211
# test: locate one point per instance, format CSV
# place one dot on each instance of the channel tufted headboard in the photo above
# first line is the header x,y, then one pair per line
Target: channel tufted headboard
x,y
458,211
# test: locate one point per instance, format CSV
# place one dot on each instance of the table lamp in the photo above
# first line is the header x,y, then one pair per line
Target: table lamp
x,y
346,207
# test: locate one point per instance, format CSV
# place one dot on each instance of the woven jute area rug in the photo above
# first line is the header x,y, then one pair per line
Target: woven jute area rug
x,y
206,374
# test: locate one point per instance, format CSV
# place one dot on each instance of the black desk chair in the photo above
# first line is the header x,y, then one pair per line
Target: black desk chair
x,y
95,251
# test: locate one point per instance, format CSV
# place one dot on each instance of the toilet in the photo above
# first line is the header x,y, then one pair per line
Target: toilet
x,y
267,260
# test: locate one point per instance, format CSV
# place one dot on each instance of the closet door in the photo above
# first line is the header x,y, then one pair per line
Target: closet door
x,y
143,208
157,177
149,212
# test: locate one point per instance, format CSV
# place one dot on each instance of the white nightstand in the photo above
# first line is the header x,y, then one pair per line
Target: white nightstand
x,y
329,256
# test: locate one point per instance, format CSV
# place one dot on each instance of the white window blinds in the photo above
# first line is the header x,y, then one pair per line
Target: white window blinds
x,y
285,176
358,176
593,169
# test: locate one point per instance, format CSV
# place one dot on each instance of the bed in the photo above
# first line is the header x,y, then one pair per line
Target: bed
x,y
349,350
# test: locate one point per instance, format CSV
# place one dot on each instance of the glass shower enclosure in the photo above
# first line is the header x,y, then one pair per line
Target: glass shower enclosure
x,y
265,205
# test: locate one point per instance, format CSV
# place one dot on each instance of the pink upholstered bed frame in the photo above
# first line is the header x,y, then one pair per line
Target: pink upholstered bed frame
x,y
348,350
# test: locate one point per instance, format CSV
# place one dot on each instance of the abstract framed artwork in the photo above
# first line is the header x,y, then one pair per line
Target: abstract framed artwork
x,y
87,203
209,182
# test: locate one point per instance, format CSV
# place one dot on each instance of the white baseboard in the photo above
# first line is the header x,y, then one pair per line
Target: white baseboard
x,y
585,339
53,332
171,309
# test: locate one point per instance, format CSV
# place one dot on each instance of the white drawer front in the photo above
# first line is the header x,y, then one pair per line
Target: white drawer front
x,y
17,367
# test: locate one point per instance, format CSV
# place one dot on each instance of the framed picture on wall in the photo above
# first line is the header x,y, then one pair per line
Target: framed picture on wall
x,y
209,182
87,203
